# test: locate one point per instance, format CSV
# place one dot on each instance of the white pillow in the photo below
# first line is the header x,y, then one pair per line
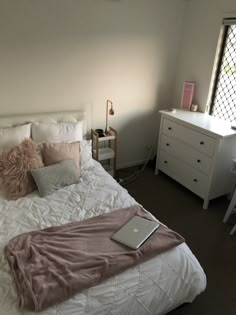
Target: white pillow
x,y
12,136
86,160
57,132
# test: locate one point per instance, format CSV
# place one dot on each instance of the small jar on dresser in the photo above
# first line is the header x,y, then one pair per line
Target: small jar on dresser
x,y
196,150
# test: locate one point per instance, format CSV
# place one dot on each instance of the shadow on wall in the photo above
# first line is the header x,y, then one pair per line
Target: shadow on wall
x,y
138,131
137,136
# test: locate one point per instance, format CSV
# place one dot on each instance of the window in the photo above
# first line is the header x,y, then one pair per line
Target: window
x,y
223,104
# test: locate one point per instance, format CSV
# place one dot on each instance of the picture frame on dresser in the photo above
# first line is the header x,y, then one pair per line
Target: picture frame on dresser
x,y
187,95
196,150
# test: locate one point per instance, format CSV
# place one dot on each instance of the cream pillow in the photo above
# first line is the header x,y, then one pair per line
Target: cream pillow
x,y
57,132
12,136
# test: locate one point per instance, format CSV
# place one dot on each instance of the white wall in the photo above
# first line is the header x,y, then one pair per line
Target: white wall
x,y
202,27
73,54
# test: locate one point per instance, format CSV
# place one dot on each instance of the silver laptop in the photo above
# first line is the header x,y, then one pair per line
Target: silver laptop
x,y
135,232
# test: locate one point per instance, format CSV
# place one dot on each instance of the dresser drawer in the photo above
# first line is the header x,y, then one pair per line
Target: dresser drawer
x,y
186,153
196,139
186,175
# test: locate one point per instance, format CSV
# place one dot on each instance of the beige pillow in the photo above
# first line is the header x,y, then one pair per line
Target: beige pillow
x,y
57,152
15,167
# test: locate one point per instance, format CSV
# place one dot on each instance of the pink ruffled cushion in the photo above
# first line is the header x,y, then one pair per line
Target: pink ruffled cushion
x,y
15,166
57,152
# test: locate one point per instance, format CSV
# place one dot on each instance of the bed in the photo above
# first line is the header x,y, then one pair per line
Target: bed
x,y
156,286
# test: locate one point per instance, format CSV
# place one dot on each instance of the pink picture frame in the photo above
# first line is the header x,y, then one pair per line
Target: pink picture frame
x,y
187,95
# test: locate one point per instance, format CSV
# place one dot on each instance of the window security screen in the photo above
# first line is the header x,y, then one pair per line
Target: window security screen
x,y
224,94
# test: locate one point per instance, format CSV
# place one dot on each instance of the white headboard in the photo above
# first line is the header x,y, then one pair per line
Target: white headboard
x,y
53,117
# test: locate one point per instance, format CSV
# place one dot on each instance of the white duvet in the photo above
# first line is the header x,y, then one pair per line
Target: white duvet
x,y
154,287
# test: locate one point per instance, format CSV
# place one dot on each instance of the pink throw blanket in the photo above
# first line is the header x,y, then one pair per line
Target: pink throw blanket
x,y
51,265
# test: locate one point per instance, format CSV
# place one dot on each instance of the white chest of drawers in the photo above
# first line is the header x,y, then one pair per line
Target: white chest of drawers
x,y
196,150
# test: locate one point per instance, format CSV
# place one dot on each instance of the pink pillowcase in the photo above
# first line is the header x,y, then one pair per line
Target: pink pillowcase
x,y
15,166
57,152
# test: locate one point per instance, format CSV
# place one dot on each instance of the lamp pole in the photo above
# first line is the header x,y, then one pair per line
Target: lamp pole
x,y
111,112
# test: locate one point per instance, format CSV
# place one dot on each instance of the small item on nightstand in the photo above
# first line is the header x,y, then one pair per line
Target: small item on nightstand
x,y
172,110
100,132
233,125
194,108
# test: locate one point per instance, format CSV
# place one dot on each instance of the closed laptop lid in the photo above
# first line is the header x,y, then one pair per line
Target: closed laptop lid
x,y
135,232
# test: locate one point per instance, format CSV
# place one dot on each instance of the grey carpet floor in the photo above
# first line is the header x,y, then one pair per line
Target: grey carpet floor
x,y
204,233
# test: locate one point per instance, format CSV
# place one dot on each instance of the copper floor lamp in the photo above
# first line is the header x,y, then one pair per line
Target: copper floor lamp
x,y
111,112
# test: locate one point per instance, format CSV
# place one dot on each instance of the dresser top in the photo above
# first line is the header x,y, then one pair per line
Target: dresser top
x,y
212,125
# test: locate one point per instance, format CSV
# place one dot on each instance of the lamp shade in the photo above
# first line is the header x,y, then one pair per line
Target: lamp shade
x,y
111,110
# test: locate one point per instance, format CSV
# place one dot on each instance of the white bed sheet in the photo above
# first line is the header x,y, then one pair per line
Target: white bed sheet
x,y
154,287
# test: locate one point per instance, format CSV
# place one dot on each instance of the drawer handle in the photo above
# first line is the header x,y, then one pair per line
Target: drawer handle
x,y
195,180
165,162
199,161
202,142
169,128
167,144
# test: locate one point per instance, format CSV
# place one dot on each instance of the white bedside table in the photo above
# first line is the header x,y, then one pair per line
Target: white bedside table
x,y
105,149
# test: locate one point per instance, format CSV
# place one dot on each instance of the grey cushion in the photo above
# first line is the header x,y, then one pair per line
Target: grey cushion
x,y
53,177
